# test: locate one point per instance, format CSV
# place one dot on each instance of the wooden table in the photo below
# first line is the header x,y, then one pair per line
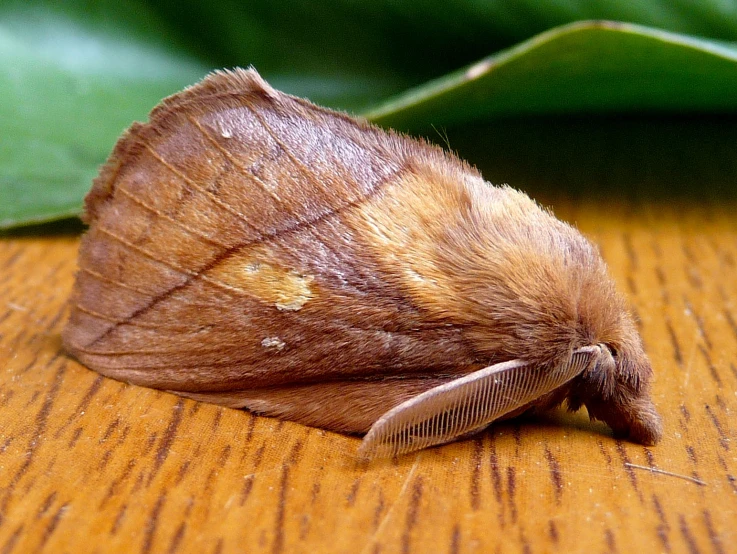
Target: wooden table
x,y
88,464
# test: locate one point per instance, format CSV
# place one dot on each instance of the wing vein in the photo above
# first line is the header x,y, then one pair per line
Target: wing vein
x,y
243,170
191,183
297,162
170,219
143,325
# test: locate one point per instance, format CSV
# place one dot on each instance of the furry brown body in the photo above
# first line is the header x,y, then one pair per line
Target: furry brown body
x,y
251,249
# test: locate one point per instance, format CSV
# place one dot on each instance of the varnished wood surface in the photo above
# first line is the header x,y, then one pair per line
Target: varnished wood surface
x,y
88,464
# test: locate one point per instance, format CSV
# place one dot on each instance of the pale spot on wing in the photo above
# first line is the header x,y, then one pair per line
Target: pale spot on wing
x,y
273,342
284,288
223,126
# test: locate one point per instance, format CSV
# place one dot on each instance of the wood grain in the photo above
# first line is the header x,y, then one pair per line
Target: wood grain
x,y
88,464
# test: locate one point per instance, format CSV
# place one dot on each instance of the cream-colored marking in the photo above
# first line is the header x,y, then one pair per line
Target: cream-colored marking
x,y
223,127
386,222
273,342
285,289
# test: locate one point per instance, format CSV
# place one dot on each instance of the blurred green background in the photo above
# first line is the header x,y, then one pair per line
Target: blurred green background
x,y
595,97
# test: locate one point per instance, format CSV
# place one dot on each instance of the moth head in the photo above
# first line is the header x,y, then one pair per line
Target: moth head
x,y
615,389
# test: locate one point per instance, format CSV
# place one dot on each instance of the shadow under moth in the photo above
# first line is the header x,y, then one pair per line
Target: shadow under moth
x,y
251,249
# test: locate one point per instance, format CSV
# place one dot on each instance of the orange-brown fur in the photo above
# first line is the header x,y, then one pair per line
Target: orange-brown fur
x,y
251,249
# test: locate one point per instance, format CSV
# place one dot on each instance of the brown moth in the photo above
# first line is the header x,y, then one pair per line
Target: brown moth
x,y
251,249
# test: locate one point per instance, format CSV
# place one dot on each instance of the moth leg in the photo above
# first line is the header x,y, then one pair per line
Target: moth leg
x,y
468,404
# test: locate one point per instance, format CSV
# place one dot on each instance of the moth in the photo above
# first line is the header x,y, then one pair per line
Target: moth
x,y
251,249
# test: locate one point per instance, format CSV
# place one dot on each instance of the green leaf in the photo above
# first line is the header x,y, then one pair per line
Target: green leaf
x,y
401,43
588,67
75,74
66,92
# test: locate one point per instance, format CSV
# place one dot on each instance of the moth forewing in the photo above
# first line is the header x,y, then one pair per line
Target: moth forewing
x,y
468,404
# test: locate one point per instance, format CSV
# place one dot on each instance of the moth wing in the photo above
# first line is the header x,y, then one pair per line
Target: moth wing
x,y
468,404
221,255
